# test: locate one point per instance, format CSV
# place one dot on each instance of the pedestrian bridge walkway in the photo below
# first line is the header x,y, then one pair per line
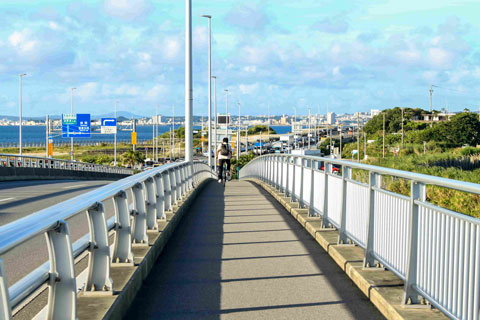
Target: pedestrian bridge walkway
x,y
239,254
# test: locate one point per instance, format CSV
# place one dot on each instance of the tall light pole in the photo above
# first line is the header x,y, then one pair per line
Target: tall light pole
x,y
309,128
115,137
431,108
226,94
238,134
294,127
71,139
20,116
268,122
156,134
209,89
188,83
216,119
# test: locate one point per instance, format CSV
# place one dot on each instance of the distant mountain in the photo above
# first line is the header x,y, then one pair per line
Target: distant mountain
x,y
124,114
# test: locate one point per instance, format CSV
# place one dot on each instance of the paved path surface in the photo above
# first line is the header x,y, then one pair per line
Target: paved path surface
x,y
239,255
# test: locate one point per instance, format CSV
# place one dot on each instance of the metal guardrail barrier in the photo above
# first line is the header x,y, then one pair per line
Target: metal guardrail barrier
x,y
151,192
435,251
11,160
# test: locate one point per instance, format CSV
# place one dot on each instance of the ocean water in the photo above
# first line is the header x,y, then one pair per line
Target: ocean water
x,y
33,135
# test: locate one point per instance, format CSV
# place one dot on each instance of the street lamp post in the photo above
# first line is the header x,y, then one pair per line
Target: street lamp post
x,y
115,137
20,116
227,118
216,120
209,89
71,139
238,134
188,83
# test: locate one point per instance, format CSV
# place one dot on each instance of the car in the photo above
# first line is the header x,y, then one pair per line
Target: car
x,y
335,168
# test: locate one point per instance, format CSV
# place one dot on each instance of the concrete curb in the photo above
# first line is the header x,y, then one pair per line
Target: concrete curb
x,y
20,174
383,288
129,279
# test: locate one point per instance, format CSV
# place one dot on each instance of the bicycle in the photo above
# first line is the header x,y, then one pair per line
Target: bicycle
x,y
224,174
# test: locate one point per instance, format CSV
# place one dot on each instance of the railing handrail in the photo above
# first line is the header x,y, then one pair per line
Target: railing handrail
x,y
68,162
433,249
418,177
18,231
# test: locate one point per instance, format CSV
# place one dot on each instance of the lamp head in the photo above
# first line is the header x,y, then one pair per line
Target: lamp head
x,y
206,16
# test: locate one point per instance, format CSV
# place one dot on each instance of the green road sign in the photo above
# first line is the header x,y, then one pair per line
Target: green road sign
x,y
69,119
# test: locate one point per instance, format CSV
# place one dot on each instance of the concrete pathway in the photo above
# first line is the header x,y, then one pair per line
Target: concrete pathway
x,y
239,255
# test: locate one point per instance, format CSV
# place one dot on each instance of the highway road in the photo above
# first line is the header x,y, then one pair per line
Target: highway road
x,y
22,198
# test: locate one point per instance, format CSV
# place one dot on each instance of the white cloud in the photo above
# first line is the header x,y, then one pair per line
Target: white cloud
x,y
127,9
248,88
439,57
157,92
22,42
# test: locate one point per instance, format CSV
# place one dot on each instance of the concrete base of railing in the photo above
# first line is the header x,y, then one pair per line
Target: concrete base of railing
x,y
17,174
128,279
384,289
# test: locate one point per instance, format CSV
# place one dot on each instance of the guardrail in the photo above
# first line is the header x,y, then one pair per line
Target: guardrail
x,y
435,251
11,160
151,193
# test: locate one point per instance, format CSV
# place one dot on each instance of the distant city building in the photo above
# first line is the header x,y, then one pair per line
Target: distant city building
x,y
283,120
374,112
331,118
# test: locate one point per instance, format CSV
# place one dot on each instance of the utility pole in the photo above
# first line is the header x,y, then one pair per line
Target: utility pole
x,y
71,139
188,84
209,90
365,143
268,122
216,121
431,108
383,134
173,132
202,136
403,132
115,137
20,142
156,134
227,117
47,133
238,134
309,128
341,134
358,136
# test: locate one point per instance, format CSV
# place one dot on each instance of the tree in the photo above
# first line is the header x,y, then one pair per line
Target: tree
x,y
132,157
260,128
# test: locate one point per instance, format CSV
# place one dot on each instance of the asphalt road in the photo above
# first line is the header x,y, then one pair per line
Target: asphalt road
x,y
22,198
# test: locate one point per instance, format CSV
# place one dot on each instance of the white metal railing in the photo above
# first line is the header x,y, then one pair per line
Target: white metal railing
x,y
12,160
436,251
139,202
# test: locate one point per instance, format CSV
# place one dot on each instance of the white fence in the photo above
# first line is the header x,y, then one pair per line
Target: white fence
x,y
139,202
434,250
11,160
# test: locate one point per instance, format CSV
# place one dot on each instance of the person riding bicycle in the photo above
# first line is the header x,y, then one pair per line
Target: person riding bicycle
x,y
224,154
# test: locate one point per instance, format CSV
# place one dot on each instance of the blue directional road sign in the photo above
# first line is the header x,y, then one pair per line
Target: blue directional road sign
x,y
109,126
80,129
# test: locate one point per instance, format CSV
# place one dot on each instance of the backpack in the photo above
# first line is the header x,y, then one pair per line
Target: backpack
x,y
224,150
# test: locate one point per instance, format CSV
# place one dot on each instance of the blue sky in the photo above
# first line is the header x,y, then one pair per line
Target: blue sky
x,y
349,55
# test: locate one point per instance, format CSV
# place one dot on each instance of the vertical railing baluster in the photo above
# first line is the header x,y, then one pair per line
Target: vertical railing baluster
x,y
150,204
311,209
140,215
167,187
160,194
302,188
346,174
281,160
99,252
122,252
294,162
326,171
173,182
5,309
62,293
287,193
418,193
374,181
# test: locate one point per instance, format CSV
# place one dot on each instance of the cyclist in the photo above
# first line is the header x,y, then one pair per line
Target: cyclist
x,y
224,154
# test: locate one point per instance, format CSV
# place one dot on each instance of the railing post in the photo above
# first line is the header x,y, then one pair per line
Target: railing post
x,y
374,181
281,160
151,204
122,252
294,163
99,252
418,193
311,210
140,215
346,174
277,172
302,189
287,176
160,203
167,187
173,187
5,309
62,293
326,170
